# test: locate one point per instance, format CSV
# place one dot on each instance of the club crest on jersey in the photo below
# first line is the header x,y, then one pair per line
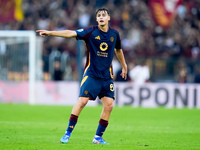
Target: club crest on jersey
x,y
97,37
112,39
85,92
103,46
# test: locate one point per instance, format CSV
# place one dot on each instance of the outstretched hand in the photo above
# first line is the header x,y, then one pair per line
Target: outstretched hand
x,y
43,33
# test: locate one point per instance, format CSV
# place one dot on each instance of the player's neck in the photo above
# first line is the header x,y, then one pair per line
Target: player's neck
x,y
103,28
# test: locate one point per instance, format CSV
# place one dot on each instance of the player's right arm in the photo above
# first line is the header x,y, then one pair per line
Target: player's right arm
x,y
64,33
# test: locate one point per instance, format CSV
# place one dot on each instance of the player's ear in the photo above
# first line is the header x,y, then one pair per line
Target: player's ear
x,y
108,18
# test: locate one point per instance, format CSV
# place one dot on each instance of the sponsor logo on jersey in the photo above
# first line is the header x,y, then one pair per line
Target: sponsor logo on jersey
x,y
103,46
71,127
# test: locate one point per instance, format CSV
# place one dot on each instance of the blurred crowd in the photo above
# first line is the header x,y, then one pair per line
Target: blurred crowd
x,y
172,53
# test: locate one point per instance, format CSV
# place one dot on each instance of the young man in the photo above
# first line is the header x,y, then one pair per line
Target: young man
x,y
101,42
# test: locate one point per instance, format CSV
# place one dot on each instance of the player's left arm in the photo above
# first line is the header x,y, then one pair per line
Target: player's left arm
x,y
120,55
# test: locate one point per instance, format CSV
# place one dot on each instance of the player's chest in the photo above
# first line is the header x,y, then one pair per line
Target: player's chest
x,y
103,40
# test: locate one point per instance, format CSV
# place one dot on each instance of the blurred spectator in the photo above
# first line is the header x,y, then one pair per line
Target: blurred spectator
x,y
134,35
141,37
182,72
58,73
140,73
197,75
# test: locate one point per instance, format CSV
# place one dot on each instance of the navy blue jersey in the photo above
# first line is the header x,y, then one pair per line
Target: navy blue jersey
x,y
100,50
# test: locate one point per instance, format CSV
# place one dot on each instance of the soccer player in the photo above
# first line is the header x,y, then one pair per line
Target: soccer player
x,y
101,42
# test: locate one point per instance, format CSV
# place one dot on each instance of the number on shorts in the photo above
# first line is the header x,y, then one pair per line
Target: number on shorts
x,y
111,87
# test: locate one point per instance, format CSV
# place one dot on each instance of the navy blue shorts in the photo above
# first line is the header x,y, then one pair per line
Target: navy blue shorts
x,y
91,87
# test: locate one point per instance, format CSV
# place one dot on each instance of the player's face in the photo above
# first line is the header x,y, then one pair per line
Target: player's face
x,y
102,18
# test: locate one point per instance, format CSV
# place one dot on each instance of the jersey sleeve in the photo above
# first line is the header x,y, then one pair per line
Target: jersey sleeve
x,y
83,34
118,42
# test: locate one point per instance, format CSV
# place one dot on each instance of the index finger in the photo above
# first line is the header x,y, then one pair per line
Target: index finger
x,y
125,76
39,30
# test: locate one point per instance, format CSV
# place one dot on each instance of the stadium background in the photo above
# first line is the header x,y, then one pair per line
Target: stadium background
x,y
163,35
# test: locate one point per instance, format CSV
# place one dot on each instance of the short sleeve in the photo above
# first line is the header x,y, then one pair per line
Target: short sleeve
x,y
83,34
118,42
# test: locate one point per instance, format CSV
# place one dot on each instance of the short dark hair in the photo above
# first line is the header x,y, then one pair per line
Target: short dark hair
x,y
102,9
